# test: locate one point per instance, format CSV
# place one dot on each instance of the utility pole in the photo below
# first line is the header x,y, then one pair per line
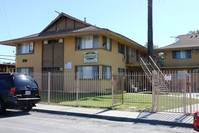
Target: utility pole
x,y
150,28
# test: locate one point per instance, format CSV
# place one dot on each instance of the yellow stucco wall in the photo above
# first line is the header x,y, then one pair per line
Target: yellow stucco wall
x,y
33,60
110,58
76,58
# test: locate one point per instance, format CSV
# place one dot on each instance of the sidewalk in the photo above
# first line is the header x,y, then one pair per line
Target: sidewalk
x,y
160,118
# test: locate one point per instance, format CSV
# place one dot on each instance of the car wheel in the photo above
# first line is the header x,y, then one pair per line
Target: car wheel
x,y
26,109
2,107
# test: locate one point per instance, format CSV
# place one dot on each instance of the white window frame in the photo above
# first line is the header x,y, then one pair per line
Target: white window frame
x,y
106,72
26,48
86,42
182,54
106,43
25,70
87,72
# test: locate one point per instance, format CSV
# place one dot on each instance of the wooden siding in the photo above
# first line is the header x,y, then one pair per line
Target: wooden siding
x,y
65,23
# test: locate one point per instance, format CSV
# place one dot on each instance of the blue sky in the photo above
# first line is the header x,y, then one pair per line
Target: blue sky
x,y
127,17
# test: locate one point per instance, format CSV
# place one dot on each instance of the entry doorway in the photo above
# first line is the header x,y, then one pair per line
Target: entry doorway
x,y
53,62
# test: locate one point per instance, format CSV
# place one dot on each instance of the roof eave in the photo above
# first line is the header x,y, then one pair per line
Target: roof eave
x,y
123,37
58,35
19,40
177,48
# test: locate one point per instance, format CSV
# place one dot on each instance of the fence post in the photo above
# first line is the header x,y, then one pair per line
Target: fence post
x,y
190,91
77,89
49,82
123,83
112,88
184,90
154,106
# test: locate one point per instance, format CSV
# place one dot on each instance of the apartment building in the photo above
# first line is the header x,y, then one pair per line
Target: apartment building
x,y
68,44
181,55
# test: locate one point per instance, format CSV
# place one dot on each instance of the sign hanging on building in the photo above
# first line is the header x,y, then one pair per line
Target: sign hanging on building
x,y
90,57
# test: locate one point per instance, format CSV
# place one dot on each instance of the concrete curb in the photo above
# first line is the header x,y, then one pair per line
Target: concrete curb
x,y
115,118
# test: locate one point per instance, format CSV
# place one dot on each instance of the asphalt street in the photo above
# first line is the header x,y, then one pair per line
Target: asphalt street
x,y
36,122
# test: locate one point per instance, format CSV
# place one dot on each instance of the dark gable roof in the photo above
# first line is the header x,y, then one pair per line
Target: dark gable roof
x,y
64,15
183,42
71,31
88,28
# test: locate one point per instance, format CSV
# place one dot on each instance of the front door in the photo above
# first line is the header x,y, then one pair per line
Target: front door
x,y
53,57
53,62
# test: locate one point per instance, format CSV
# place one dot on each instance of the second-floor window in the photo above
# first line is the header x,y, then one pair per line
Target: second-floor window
x,y
121,48
137,56
183,54
106,43
25,48
87,42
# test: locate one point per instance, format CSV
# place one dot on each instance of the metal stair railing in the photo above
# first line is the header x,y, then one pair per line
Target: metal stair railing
x,y
161,75
148,68
154,65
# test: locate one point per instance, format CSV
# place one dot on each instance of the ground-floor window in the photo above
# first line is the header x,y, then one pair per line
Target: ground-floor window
x,y
25,70
87,72
106,72
121,70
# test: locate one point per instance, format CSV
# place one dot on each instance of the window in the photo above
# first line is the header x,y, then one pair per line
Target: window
x,y
106,72
121,48
25,48
106,43
181,74
183,54
25,70
87,72
121,70
129,55
137,56
87,42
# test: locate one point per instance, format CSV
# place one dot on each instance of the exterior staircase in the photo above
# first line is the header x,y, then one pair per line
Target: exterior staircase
x,y
160,82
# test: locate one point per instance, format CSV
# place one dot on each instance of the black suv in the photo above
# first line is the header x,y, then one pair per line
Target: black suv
x,y
18,91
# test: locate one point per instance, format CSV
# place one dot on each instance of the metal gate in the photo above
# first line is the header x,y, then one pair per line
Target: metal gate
x,y
182,92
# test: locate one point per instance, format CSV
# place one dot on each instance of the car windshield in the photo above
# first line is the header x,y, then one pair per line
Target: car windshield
x,y
24,81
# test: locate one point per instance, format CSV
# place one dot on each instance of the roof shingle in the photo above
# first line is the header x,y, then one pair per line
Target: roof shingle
x,y
184,41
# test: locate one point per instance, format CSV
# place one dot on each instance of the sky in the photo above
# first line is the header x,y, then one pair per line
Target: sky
x,y
171,18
